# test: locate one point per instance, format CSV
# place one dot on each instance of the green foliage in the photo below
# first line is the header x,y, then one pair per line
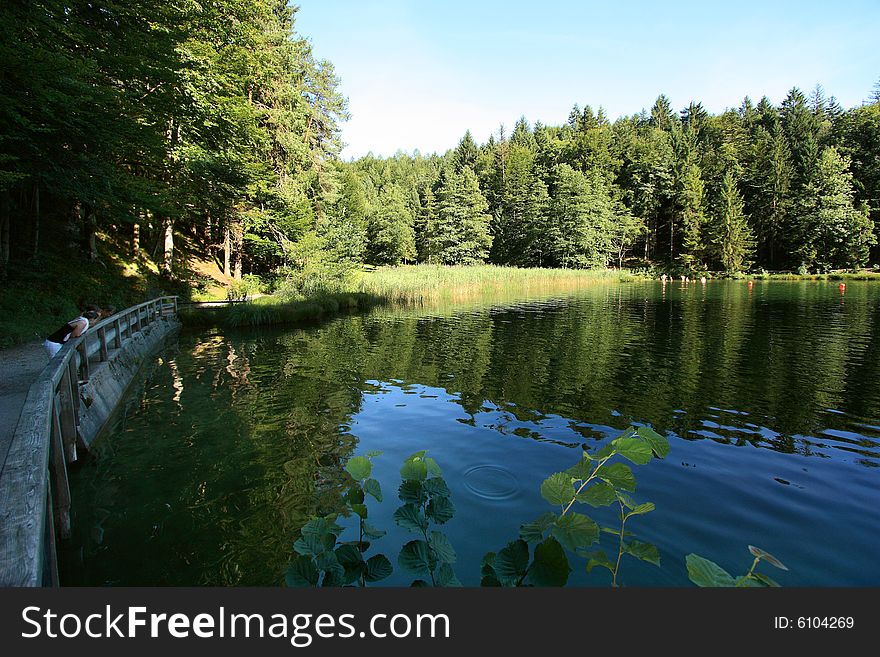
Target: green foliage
x,y
539,557
592,481
706,573
321,559
426,499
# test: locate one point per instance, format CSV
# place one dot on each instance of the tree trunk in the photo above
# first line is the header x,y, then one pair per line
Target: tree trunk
x,y
4,231
36,220
91,233
227,245
239,250
208,229
168,258
136,241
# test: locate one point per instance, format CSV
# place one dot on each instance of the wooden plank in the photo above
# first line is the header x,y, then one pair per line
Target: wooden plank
x,y
102,339
117,340
23,491
68,421
61,496
74,389
83,361
50,557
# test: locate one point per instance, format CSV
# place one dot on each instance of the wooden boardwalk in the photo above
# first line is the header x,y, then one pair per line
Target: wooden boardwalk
x,y
43,408
20,367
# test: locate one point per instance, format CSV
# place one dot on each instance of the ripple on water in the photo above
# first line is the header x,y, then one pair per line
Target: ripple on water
x,y
491,482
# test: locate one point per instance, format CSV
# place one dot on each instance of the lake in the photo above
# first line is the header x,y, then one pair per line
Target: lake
x,y
767,393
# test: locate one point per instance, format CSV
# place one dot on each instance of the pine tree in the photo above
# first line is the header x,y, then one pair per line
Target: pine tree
x,y
390,233
733,240
834,234
460,235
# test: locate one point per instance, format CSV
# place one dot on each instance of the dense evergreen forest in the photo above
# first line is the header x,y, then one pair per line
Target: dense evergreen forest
x,y
145,123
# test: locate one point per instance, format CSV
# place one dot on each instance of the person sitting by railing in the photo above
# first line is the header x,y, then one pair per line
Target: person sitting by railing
x,y
72,329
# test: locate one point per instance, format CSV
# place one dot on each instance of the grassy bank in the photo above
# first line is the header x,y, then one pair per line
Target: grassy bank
x,y
834,276
418,284
268,311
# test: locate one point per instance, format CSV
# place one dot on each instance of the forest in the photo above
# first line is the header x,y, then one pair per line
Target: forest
x,y
137,126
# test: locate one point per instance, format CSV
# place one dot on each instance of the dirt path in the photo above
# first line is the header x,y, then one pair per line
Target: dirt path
x,y
19,368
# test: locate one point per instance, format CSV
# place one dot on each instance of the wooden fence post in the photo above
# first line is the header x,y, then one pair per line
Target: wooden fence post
x,y
59,470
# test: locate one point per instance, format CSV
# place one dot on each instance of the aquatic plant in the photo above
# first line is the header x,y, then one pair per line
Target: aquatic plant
x,y
539,557
706,573
426,498
593,481
322,560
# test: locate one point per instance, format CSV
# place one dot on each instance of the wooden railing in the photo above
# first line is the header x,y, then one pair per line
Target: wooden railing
x,y
34,490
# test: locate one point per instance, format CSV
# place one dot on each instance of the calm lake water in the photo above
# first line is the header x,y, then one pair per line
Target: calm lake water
x,y
769,397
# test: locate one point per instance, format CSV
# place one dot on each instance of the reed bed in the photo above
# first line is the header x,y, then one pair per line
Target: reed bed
x,y
428,284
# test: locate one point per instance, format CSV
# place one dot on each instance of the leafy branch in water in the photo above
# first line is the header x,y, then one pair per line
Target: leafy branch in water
x,y
592,481
322,560
706,573
426,498
540,557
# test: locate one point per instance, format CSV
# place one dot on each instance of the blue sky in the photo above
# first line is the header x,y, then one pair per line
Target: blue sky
x,y
418,74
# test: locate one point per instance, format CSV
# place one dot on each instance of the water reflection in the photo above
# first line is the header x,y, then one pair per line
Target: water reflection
x,y
240,437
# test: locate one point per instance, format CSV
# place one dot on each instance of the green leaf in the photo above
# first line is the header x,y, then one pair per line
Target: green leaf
x,y
446,576
703,572
415,558
766,556
619,475
351,559
411,492
373,533
745,582
359,467
360,509
636,450
409,516
335,576
644,551
511,563
334,572
440,510
373,454
349,555
415,469
378,568
372,487
659,444
597,558
443,549
606,451
550,566
487,570
557,489
321,526
302,572
436,487
598,494
533,532
582,469
641,509
766,581
313,545
575,530
433,469
628,502
354,496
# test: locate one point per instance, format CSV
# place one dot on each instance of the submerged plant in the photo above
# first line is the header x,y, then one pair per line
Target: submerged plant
x,y
426,498
592,481
706,573
322,560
